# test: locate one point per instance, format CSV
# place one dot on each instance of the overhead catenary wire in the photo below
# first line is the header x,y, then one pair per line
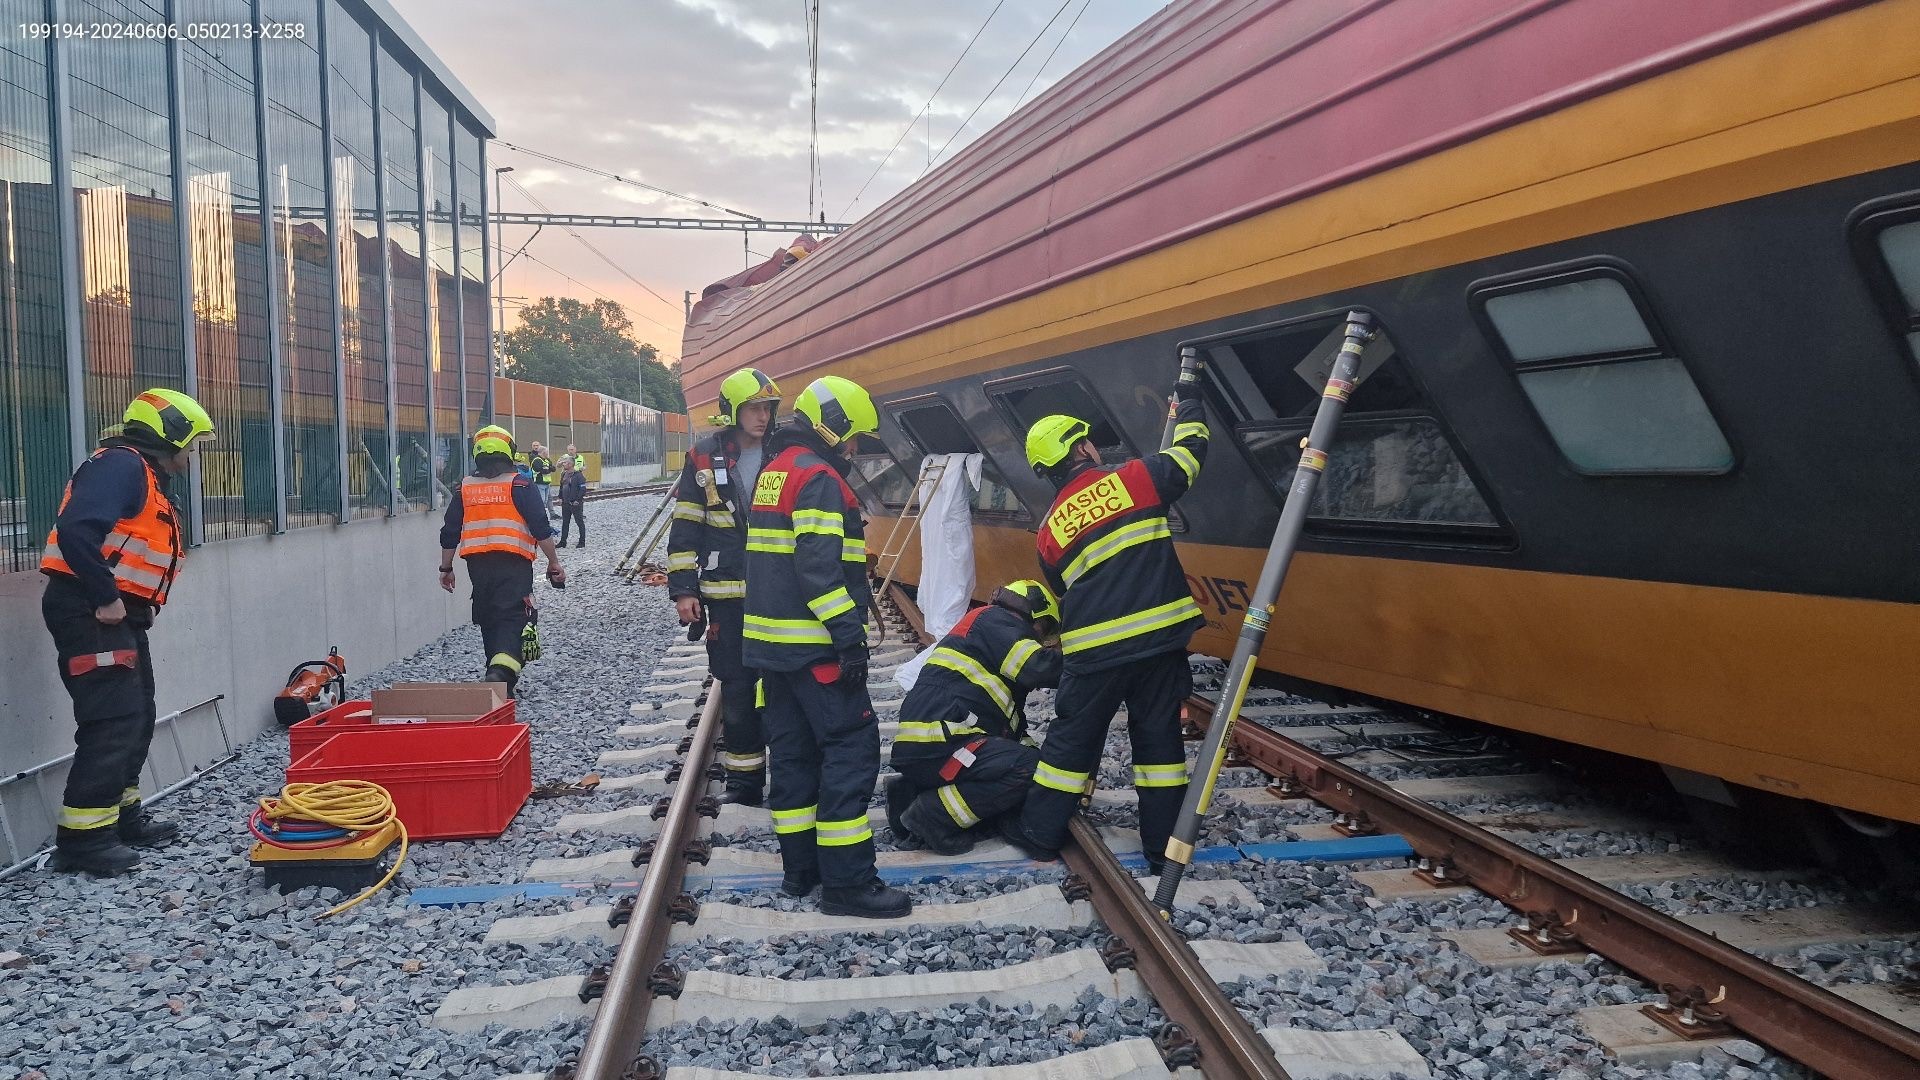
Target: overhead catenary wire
x,y
996,85
589,245
1037,72
659,353
924,109
627,180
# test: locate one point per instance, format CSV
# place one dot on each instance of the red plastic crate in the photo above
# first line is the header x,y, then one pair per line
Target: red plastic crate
x,y
306,736
448,781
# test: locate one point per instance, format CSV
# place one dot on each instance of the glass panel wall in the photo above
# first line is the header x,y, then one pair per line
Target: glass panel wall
x,y
123,191
474,309
33,344
400,149
231,321
356,230
296,174
443,311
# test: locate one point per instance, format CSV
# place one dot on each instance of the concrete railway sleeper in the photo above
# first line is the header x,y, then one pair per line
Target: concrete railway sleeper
x,y
639,993
1713,987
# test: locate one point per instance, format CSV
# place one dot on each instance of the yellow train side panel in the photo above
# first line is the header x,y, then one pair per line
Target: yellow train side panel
x,y
1562,656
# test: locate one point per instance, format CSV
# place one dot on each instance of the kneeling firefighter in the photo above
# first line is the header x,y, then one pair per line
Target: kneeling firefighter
x,y
110,562
959,751
807,599
496,524
706,565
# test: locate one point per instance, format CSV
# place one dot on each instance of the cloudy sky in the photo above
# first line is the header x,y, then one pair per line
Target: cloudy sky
x,y
710,98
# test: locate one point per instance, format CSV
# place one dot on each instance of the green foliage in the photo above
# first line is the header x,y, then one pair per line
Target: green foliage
x,y
563,342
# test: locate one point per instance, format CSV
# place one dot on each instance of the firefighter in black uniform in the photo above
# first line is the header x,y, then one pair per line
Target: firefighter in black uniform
x,y
706,565
110,563
1125,616
807,598
496,524
960,751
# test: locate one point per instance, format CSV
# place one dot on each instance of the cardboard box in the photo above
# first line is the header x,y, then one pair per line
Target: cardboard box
x,y
436,703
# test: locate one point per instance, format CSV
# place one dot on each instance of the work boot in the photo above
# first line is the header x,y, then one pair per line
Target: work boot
x,y
496,673
140,830
744,794
800,859
900,795
1013,832
928,823
798,883
874,900
93,851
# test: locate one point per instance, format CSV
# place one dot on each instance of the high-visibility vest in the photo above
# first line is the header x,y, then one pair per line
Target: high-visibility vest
x,y
143,551
489,519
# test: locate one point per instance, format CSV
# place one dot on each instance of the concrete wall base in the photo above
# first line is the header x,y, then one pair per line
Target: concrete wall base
x,y
242,614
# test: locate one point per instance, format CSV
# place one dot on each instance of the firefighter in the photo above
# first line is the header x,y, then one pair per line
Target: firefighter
x,y
706,565
541,466
1125,616
496,525
110,562
960,751
805,630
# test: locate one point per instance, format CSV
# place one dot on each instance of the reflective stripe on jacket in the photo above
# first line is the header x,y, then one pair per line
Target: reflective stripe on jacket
x,y
489,519
143,551
1105,546
706,544
806,559
975,683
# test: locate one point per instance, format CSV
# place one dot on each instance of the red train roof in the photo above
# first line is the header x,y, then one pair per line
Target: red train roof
x,y
1211,111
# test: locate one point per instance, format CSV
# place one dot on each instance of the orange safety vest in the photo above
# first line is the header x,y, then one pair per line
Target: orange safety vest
x,y
490,521
144,551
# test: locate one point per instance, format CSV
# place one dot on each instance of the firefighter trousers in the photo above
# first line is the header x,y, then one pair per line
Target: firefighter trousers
x,y
994,783
823,747
1153,690
743,742
502,598
108,673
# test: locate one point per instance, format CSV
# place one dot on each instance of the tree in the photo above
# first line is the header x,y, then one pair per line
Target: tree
x,y
563,342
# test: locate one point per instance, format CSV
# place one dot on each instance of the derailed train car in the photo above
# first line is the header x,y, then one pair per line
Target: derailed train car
x,y
1634,463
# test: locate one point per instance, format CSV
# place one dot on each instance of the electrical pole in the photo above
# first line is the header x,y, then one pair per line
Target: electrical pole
x,y
500,279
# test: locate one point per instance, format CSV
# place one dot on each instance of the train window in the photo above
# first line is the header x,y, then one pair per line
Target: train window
x,y
1900,246
1612,394
1887,238
1393,469
1026,400
880,481
934,428
1586,317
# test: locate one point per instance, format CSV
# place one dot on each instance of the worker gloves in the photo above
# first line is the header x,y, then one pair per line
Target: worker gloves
x,y
853,666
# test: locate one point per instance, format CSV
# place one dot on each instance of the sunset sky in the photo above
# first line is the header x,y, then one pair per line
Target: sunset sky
x,y
709,98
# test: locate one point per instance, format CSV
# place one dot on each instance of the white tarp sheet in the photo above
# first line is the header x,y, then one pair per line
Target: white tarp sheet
x,y
946,552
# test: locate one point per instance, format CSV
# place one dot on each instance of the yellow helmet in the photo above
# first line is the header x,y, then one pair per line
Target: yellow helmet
x,y
1052,438
743,388
1040,602
176,418
838,409
493,439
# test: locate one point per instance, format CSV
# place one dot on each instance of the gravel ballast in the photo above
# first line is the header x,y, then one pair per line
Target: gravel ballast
x,y
190,968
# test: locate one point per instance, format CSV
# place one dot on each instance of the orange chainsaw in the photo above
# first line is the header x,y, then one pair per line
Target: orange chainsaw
x,y
321,683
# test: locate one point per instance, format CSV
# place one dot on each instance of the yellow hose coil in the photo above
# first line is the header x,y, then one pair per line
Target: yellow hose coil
x,y
360,805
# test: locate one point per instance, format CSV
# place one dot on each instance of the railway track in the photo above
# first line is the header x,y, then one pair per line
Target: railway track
x,y
1303,944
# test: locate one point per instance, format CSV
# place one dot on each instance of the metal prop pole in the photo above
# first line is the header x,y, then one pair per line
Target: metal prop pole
x,y
1273,573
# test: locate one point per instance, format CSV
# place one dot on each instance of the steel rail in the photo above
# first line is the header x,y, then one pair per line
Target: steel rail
x,y
1228,1047
1805,1022
620,1026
